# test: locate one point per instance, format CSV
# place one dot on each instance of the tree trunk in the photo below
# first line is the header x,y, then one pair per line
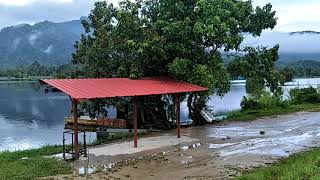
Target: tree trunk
x,y
155,113
196,103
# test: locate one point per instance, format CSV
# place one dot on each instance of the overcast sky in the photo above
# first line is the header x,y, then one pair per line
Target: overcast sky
x,y
294,15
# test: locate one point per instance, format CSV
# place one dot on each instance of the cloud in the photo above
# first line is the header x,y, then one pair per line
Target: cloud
x,y
299,17
14,12
33,37
48,50
27,2
295,15
16,43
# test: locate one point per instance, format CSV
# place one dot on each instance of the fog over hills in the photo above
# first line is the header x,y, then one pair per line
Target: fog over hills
x,y
294,46
52,43
47,42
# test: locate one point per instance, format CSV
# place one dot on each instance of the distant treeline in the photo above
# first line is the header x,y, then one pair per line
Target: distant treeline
x,y
37,69
300,69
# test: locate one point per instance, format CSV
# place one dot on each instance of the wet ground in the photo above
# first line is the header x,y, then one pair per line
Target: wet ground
x,y
216,152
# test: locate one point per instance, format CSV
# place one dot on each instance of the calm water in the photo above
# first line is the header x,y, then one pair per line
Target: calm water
x,y
30,118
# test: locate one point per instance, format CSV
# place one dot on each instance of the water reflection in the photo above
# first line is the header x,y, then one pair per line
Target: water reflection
x,y
29,117
230,101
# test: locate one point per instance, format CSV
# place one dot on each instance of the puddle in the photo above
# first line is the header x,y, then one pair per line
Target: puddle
x,y
217,146
87,170
280,136
276,146
184,148
280,152
238,131
192,146
186,160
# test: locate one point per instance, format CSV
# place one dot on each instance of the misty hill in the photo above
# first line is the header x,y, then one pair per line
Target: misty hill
x,y
46,42
52,43
294,46
304,32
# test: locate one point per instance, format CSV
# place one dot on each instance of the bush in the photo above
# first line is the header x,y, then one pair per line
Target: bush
x,y
249,103
304,95
264,101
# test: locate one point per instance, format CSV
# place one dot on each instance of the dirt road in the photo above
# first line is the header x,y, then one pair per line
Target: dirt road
x,y
216,151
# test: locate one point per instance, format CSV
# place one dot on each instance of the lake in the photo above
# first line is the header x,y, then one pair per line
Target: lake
x,y
31,118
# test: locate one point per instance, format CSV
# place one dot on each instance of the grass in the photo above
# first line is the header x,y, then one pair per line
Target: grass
x,y
305,165
12,166
249,115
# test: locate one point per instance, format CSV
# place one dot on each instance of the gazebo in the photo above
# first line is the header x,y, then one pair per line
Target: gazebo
x,y
88,89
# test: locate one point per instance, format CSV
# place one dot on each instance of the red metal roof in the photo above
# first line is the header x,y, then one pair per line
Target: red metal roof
x,y
120,87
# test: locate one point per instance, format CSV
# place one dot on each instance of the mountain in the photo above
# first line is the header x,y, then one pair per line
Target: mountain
x,y
294,46
52,43
46,42
305,32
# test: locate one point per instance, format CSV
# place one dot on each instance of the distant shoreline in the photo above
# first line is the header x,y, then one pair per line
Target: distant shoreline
x,y
35,78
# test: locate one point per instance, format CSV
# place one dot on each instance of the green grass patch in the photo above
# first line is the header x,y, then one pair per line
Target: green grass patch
x,y
248,115
305,165
12,166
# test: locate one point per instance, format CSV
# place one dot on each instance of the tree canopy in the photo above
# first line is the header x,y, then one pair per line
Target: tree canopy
x,y
258,67
182,39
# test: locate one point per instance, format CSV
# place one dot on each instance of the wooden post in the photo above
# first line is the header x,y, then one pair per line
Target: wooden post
x,y
178,114
135,121
75,126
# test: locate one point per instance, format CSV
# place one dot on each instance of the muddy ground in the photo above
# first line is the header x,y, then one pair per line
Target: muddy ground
x,y
216,152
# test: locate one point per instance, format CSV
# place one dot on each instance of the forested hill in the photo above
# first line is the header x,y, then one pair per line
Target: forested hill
x,y
52,44
46,42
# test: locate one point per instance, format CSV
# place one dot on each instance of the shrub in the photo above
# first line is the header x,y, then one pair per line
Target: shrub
x,y
264,101
249,103
304,95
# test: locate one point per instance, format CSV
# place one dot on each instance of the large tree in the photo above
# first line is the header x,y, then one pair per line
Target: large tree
x,y
258,67
182,39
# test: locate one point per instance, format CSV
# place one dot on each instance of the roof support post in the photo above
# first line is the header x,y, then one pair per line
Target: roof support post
x,y
178,114
135,121
75,126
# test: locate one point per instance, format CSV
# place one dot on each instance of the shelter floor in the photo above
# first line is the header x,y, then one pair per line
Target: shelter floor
x,y
210,152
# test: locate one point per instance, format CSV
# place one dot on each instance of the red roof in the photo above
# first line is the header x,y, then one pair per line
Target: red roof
x,y
121,87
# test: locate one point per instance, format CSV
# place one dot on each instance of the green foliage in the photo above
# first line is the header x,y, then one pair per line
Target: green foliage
x,y
13,167
304,95
37,70
179,39
249,103
255,86
287,74
264,101
303,68
258,67
304,165
251,114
